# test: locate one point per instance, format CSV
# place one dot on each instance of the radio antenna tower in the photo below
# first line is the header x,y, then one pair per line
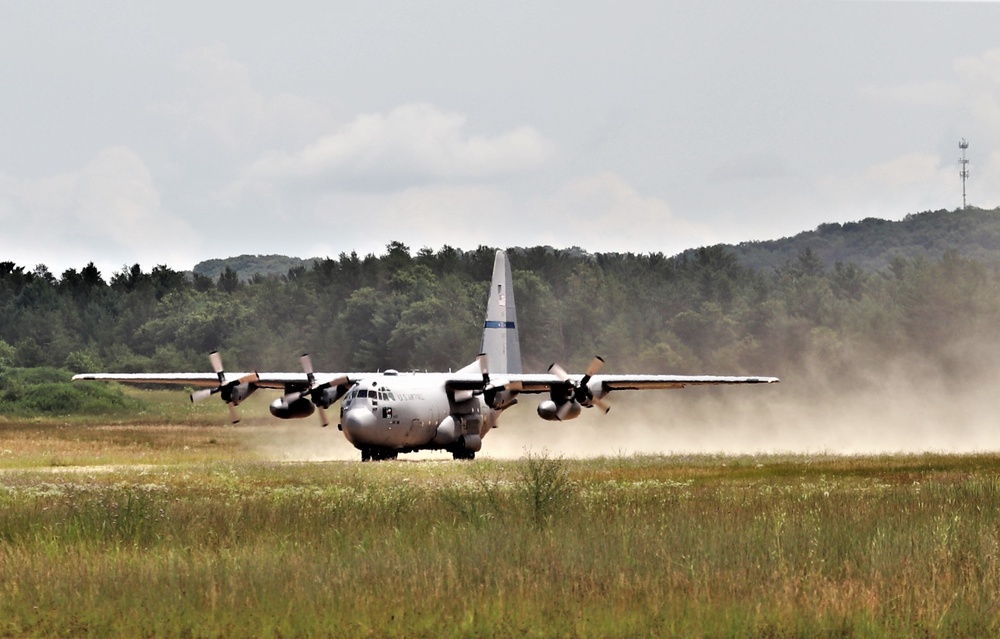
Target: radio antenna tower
x,y
964,173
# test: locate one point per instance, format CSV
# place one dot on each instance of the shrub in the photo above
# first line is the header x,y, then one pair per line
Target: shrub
x,y
49,391
544,486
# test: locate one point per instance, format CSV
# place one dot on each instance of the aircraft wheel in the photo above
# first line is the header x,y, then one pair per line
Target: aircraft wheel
x,y
378,454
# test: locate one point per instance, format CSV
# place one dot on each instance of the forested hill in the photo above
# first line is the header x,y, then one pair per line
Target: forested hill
x,y
245,268
248,266
872,243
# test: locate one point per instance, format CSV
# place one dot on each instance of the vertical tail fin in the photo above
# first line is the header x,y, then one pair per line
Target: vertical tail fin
x,y
500,339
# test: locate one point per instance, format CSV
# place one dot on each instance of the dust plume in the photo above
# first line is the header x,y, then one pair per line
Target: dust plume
x,y
300,440
907,405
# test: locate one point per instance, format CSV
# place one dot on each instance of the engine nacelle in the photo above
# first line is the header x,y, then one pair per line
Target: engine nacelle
x,y
302,407
550,411
236,394
329,396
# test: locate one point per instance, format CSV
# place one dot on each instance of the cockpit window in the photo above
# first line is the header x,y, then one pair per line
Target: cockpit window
x,y
381,394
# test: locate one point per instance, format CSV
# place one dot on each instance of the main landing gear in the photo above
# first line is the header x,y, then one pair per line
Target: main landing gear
x,y
383,454
378,454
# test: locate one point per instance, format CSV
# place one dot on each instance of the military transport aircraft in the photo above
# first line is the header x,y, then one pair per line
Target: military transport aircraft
x,y
387,413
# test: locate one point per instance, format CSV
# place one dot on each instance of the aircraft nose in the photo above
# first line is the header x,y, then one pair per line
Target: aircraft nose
x,y
358,423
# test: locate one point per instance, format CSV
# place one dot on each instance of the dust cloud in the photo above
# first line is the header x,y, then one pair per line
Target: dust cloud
x,y
775,422
906,407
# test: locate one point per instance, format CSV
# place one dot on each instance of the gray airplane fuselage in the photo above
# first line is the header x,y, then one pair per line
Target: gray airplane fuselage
x,y
403,412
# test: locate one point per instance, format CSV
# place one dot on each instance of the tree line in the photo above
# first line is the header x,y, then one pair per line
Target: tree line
x,y
700,312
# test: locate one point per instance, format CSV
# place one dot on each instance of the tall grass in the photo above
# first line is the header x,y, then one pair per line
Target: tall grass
x,y
720,547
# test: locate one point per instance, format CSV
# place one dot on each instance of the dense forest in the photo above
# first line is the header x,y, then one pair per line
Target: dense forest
x,y
699,312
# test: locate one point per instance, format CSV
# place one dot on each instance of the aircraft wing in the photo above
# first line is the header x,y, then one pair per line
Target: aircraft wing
x,y
541,383
209,380
529,383
640,382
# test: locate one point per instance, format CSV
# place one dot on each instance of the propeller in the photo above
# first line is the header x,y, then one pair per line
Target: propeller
x,y
313,390
490,391
226,389
580,393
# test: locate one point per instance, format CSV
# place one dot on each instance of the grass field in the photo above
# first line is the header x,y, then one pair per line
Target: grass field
x,y
146,530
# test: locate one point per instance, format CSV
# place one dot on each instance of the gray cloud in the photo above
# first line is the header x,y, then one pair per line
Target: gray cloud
x,y
108,207
410,143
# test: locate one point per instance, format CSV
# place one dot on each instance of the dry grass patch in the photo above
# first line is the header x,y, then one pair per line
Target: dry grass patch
x,y
210,544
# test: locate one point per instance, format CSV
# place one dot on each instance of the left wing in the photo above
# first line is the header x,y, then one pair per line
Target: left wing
x,y
540,383
569,393
208,380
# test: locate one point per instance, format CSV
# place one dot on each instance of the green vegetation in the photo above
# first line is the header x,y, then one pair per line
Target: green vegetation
x,y
761,546
48,391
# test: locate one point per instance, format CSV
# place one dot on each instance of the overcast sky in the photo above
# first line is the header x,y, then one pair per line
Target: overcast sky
x,y
173,132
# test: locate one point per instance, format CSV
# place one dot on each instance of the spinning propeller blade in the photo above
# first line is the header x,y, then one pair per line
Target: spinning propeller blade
x,y
202,394
491,391
310,391
579,392
224,387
